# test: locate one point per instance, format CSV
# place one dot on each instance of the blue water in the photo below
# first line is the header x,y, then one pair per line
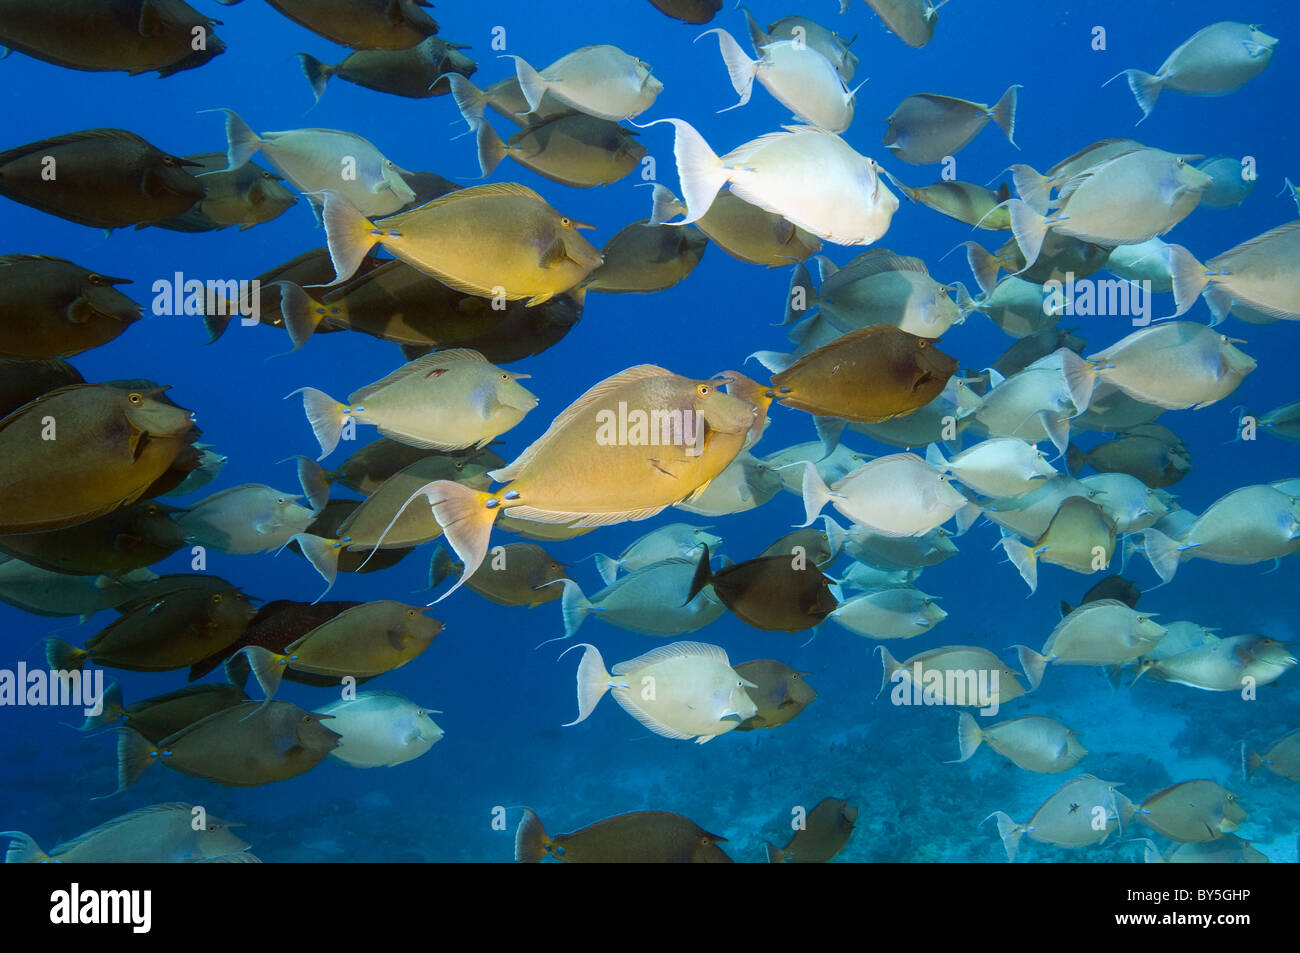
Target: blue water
x,y
502,701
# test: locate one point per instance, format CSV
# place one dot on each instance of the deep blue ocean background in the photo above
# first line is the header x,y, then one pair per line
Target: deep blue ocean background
x,y
504,701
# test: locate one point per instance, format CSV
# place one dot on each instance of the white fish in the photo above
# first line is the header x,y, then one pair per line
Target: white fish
x,y
809,176
902,612
684,690
1038,402
745,484
1145,261
998,467
600,81
252,518
380,729
1259,274
160,834
895,495
896,553
822,39
1102,632
838,463
1215,61
1125,499
1034,742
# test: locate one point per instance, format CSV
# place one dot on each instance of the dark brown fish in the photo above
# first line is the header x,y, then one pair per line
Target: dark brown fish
x,y
827,828
641,837
516,574
367,469
244,745
52,308
135,36
781,695
129,538
768,592
175,631
163,715
689,11
360,24
427,186
411,72
1112,587
643,258
869,375
22,381
326,525
277,625
104,178
109,446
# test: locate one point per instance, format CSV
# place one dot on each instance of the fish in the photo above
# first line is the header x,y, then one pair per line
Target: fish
x,y
1214,61
170,632
951,675
246,196
1101,632
278,623
927,128
646,837
1150,452
620,481
415,72
52,308
360,24
780,693
54,594
1228,849
501,240
1112,587
1083,811
775,593
667,542
24,380
1225,665
902,372
107,178
689,11
744,231
899,553
366,469
1146,261
1039,402
119,542
823,833
380,729
1060,257
643,258
966,202
448,400
329,525
363,641
245,519
895,495
745,484
112,445
1131,504
210,464
1283,422
998,466
1080,537
134,36
246,745
799,77
1229,185
898,612
1192,811
600,80
818,546
1282,757
912,21
1255,275
1032,742
847,203
158,834
313,160
651,601
518,574
162,715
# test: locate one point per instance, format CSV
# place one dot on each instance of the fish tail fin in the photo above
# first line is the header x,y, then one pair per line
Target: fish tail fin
x,y
241,141
323,554
466,521
1024,559
1034,664
969,736
798,301
889,664
1004,113
965,303
1010,832
23,850
1146,90
491,150
1250,761
816,494
317,73
216,325
1029,228
315,481
699,170
1075,460
740,67
326,416
774,361
984,266
664,205
934,457
110,711
829,431
607,566
531,842
469,99
531,83
135,753
593,680
441,567
774,854
1032,187
64,656
267,667
1162,552
1080,379
1189,277
834,537
703,575
574,607
301,318
348,233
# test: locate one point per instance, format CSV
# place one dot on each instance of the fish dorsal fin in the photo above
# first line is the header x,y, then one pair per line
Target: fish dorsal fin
x,y
742,154
677,650
880,260
420,366
14,259
577,408
169,808
478,191
1269,235
67,138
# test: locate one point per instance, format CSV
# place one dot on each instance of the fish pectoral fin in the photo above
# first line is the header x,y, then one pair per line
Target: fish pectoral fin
x,y
79,311
397,639
151,21
483,399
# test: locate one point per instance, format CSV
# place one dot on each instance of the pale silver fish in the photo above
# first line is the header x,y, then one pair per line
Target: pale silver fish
x,y
1034,742
1101,632
745,484
1084,811
895,495
926,128
160,834
650,601
1258,274
667,542
901,612
251,518
997,467
600,81
380,729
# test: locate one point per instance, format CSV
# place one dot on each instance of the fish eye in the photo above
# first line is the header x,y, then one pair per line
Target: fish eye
x,y
135,400
703,389
566,222
168,160
411,613
923,343
216,598
306,719
96,279
505,377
